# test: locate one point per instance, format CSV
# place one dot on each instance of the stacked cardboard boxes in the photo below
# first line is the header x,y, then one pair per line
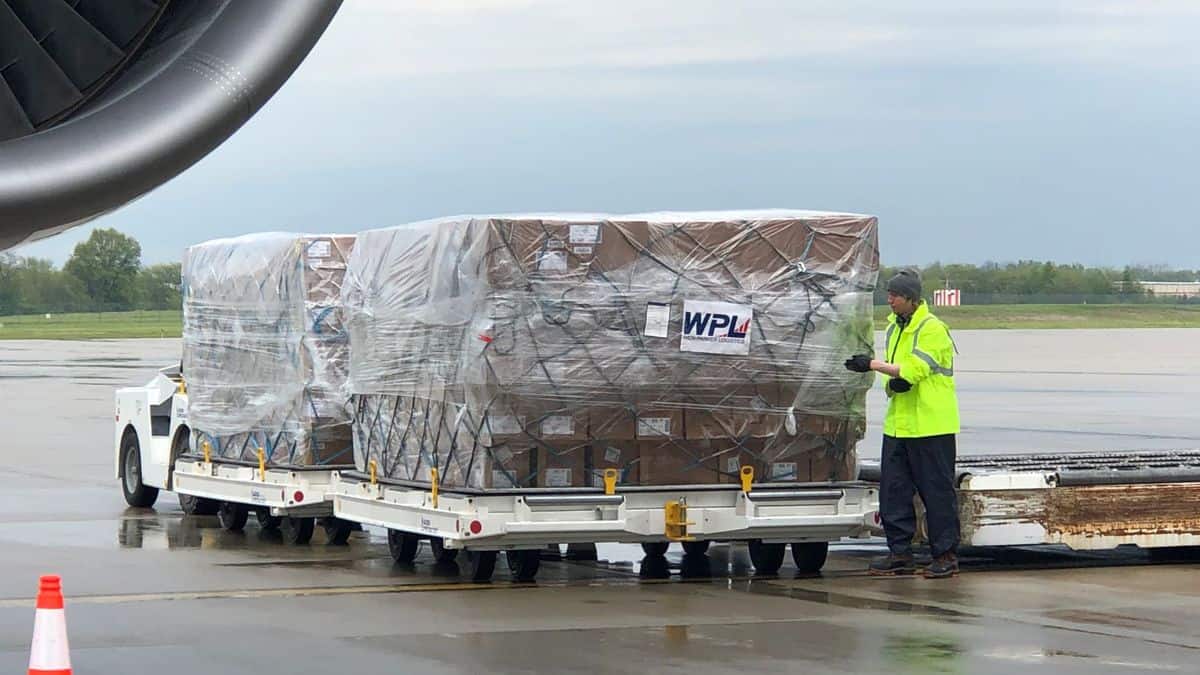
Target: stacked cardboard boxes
x,y
264,350
538,351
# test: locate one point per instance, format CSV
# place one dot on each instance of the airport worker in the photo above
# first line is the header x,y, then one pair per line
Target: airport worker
x,y
919,431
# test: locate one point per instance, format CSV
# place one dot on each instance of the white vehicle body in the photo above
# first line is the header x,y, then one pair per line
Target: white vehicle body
x,y
155,415
512,521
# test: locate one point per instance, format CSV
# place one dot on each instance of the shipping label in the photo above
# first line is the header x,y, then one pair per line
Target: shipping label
x,y
558,425
716,327
658,319
585,233
558,478
654,426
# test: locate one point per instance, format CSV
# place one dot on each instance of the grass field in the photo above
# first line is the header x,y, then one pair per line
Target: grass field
x,y
147,324
138,324
977,317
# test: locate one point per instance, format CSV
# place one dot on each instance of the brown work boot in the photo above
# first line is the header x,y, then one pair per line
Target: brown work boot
x,y
943,567
892,565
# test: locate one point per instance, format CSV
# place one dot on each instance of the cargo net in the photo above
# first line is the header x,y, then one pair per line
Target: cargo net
x,y
537,352
265,354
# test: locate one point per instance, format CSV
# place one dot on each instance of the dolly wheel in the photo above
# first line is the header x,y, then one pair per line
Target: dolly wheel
x,y
655,549
232,516
297,531
337,531
198,506
524,564
695,547
481,565
441,554
403,546
810,556
266,521
766,558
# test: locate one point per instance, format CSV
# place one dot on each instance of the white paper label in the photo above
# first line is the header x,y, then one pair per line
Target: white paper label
x,y
558,478
558,425
612,455
506,424
555,242
320,248
585,234
654,426
501,479
658,319
583,250
783,470
553,261
732,465
716,327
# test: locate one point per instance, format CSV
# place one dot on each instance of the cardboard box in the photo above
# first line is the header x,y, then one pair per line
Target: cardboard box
x,y
738,412
618,455
562,466
676,462
659,423
616,423
558,423
507,467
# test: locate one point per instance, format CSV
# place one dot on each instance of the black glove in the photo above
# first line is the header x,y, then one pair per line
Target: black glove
x,y
859,363
899,385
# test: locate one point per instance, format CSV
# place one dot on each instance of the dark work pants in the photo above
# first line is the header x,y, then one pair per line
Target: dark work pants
x,y
923,466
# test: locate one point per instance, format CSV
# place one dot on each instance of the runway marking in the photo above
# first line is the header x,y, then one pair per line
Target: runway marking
x,y
261,593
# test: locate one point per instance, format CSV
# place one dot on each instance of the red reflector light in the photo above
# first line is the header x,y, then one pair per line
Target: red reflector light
x,y
878,519
299,496
476,527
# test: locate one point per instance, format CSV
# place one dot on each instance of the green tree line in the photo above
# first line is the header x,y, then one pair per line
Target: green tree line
x,y
1031,281
104,274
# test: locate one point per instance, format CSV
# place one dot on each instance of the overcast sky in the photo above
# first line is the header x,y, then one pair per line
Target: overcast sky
x,y
982,130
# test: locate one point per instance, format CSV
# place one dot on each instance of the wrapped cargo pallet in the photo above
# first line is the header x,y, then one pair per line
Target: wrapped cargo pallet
x,y
265,355
536,351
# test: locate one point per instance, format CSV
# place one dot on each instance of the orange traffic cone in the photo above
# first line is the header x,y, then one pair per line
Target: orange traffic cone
x,y
50,654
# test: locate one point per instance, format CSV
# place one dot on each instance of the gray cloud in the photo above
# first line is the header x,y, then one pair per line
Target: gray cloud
x,y
986,130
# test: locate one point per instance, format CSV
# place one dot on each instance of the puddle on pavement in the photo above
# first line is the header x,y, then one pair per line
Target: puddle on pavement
x,y
922,653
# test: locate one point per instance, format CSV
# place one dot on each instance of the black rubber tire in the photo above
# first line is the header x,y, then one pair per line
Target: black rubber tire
x,y
1179,554
524,565
696,547
232,516
266,521
337,531
403,546
297,531
441,554
136,492
810,556
582,552
766,558
481,565
198,506
655,549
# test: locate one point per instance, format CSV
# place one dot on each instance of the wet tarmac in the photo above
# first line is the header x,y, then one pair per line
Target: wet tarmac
x,y
153,590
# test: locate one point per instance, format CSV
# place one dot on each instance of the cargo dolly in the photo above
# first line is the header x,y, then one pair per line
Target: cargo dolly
x,y
1086,501
521,523
154,452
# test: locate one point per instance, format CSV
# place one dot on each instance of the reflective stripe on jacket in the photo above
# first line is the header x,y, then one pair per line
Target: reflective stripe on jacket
x,y
925,353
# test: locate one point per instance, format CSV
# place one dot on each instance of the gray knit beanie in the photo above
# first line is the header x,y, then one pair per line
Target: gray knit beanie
x,y
906,284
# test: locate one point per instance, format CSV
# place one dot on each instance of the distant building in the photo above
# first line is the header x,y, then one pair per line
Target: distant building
x,y
947,297
1169,289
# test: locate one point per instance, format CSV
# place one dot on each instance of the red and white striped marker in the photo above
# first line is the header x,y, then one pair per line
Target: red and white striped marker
x,y
50,654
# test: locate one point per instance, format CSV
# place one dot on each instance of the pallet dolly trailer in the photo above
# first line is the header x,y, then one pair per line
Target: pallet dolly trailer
x,y
154,452
1086,501
521,523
